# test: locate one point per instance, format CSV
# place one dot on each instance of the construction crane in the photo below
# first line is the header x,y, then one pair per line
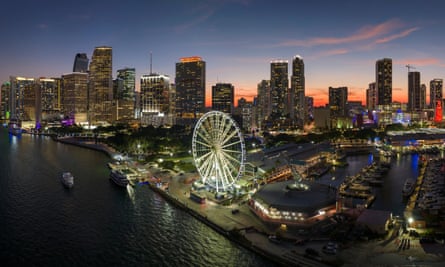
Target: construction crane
x,y
409,67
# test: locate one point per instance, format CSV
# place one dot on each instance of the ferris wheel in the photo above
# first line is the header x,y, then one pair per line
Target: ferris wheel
x,y
218,150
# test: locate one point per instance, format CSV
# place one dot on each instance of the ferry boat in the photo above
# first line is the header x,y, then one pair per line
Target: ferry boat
x,y
119,178
408,187
67,179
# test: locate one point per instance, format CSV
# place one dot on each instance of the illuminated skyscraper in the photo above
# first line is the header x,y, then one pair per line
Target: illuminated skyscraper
x,y
436,92
75,97
190,89
223,97
263,106
101,86
155,99
23,98
338,98
5,103
80,63
298,91
383,80
279,84
414,91
50,95
309,109
371,97
125,94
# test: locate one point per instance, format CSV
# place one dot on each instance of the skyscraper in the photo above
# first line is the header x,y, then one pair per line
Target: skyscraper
x,y
436,92
298,91
338,98
263,106
101,86
279,84
23,98
371,97
414,91
125,94
80,63
383,80
190,89
75,97
50,94
155,103
223,97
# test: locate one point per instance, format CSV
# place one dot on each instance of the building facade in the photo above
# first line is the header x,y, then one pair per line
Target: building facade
x,y
414,91
80,63
263,103
279,84
371,97
101,86
383,80
338,98
155,99
190,89
298,107
125,95
223,97
75,98
50,95
22,101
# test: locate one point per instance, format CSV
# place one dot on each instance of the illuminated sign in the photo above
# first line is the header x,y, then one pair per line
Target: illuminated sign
x,y
190,59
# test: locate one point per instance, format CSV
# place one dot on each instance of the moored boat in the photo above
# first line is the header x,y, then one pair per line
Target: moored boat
x,y
119,178
408,187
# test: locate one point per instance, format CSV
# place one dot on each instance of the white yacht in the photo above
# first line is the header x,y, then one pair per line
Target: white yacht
x,y
67,179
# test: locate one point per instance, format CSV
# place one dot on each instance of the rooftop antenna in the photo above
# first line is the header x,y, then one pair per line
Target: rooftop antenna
x,y
409,67
151,60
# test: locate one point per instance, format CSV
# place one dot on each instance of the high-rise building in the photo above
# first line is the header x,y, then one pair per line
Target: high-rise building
x,y
124,94
279,84
298,91
50,95
80,63
263,106
246,113
23,99
383,80
155,99
338,98
223,97
436,92
422,96
414,91
4,101
190,89
371,97
309,109
101,86
75,97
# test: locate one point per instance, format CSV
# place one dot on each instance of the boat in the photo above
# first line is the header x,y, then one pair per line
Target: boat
x,y
14,127
119,177
67,179
408,187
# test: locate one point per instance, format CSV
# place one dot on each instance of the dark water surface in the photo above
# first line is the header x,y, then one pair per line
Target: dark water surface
x,y
96,223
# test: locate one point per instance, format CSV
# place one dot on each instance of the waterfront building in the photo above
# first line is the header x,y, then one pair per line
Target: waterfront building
x,y
383,80
436,95
294,203
190,83
23,100
75,98
124,94
298,108
223,97
155,94
101,86
279,84
4,101
264,104
414,91
371,97
80,63
322,118
338,98
50,90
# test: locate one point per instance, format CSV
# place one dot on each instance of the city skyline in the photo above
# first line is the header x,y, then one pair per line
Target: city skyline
x,y
338,41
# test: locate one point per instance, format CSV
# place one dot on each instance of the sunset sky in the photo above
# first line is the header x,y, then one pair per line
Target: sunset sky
x,y
339,41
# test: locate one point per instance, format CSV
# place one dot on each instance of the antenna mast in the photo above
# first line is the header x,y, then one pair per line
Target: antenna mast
x,y
151,59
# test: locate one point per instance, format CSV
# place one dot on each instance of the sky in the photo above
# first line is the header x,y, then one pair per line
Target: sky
x,y
339,41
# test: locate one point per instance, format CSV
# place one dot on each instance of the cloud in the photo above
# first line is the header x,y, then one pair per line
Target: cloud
x,y
420,62
396,36
328,53
375,34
